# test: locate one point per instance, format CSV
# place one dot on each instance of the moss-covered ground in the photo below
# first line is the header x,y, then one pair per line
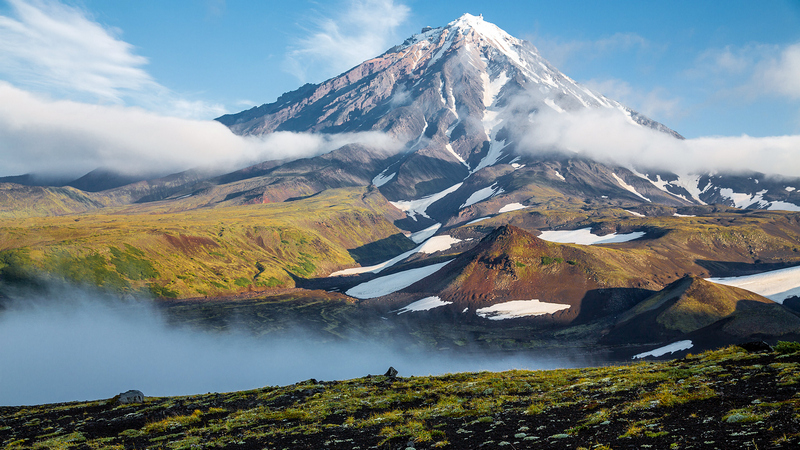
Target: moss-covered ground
x,y
721,399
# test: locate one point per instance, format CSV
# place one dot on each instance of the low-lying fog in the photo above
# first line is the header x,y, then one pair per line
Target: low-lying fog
x,y
78,346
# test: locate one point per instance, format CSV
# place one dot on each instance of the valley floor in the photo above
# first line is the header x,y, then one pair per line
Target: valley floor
x,y
720,399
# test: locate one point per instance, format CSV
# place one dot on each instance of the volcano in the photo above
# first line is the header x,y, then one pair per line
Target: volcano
x,y
461,99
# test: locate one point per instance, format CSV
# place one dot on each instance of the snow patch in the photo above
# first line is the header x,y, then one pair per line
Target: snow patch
x,y
423,235
776,285
519,308
388,284
634,213
628,187
418,207
512,207
671,348
790,189
584,236
684,215
491,89
482,194
438,243
426,304
382,179
783,206
743,201
559,176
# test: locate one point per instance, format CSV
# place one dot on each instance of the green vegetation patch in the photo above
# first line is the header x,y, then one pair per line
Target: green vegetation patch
x,y
547,260
132,264
92,269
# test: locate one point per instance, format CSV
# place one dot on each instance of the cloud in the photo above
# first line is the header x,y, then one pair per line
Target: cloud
x,y
79,345
71,138
609,136
781,75
51,47
363,30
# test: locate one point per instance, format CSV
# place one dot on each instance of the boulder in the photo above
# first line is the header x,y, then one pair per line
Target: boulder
x,y
132,396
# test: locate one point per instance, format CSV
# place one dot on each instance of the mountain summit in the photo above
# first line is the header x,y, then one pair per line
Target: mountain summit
x,y
456,96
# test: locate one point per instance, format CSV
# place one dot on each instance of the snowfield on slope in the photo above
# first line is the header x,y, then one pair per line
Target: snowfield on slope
x,y
432,245
425,304
438,243
512,207
392,283
418,207
519,308
482,194
424,235
671,348
584,236
776,285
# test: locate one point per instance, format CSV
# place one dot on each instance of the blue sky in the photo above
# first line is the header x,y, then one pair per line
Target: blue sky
x,y
703,68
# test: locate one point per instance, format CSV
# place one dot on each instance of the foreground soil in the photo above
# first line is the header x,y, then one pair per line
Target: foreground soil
x,y
721,399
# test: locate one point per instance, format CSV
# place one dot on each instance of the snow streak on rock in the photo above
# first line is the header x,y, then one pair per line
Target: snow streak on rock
x,y
482,194
671,348
426,304
628,187
418,207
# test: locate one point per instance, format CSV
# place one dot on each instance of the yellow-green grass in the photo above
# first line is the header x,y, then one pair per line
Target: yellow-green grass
x,y
205,251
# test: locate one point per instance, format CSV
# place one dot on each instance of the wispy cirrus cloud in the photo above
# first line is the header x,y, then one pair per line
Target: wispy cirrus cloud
x,y
749,74
52,47
563,52
752,71
654,103
50,44
365,28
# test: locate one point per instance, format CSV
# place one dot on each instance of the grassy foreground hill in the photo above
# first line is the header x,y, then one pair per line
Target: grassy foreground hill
x,y
720,399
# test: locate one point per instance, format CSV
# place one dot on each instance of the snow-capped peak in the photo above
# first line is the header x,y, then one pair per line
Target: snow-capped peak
x,y
489,32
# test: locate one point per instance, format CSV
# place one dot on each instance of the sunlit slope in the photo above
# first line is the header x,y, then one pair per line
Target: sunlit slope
x,y
694,305
18,201
204,251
